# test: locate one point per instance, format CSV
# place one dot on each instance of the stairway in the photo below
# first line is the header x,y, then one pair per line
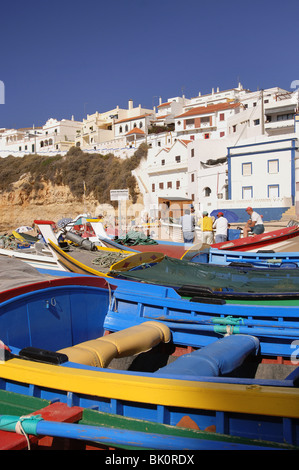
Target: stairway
x,y
289,214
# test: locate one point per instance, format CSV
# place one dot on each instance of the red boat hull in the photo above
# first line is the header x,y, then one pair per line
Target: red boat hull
x,y
254,242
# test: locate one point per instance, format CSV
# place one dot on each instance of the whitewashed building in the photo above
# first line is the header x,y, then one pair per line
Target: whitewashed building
x,y
242,150
55,137
118,131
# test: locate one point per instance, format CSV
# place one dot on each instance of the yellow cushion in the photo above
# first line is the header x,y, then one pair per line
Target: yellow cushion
x,y
134,340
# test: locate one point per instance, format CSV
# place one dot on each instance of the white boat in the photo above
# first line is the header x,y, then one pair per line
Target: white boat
x,y
35,255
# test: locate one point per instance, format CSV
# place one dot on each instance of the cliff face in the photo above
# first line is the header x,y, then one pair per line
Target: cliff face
x,y
50,203
38,187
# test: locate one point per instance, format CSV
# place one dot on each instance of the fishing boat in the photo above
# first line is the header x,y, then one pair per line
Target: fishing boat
x,y
276,240
234,281
57,426
269,258
33,253
83,256
55,347
78,428
228,280
198,316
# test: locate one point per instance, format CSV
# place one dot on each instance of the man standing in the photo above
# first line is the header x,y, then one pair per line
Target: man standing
x,y
255,224
187,222
206,224
221,225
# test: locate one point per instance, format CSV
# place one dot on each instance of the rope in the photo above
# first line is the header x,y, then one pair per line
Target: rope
x,y
229,330
20,430
106,260
15,424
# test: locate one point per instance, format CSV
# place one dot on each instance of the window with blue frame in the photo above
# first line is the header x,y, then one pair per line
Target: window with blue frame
x,y
247,192
246,169
273,190
273,166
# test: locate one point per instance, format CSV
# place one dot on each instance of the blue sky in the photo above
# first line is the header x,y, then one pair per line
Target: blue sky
x,y
70,57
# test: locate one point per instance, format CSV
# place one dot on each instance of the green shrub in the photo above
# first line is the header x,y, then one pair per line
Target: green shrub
x,y
100,173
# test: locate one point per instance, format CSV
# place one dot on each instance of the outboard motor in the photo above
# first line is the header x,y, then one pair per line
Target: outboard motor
x,y
84,243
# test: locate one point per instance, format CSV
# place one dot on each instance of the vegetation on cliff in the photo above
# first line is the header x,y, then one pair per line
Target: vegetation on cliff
x,y
92,173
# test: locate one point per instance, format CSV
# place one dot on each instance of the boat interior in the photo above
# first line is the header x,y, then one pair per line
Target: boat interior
x,y
67,321
143,348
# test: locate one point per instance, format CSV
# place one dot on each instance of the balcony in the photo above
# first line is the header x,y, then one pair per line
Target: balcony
x,y
167,168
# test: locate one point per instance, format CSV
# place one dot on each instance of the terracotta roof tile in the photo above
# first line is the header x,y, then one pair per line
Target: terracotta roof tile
x,y
136,130
209,109
164,104
185,142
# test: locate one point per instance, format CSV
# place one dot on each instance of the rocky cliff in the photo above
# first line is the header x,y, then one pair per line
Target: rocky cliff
x,y
51,188
53,202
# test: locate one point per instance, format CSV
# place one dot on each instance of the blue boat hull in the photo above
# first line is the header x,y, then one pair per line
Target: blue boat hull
x,y
75,309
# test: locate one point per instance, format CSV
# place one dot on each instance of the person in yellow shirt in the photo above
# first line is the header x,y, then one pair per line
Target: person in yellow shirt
x,y
206,225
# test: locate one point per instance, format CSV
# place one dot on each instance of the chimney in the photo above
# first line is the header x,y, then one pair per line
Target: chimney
x,y
160,100
130,104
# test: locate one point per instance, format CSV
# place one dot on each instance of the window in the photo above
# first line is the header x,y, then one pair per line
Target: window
x,y
273,166
235,128
222,134
246,169
120,129
192,152
285,117
256,122
126,128
177,184
161,185
162,162
207,136
192,178
221,117
178,158
153,187
247,192
273,190
169,184
207,192
140,125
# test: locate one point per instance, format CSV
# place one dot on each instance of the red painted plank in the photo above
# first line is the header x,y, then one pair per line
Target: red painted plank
x,y
55,412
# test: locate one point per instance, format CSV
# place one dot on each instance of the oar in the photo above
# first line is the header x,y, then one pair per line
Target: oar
x,y
37,426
